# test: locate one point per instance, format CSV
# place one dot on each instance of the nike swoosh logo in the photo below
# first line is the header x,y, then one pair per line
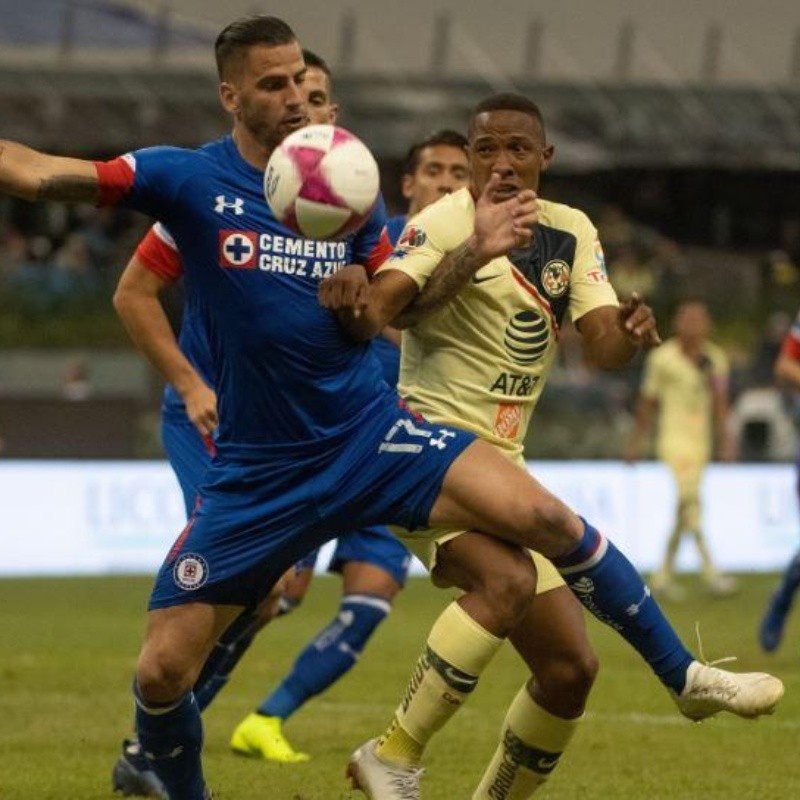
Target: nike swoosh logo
x,y
476,279
548,763
462,682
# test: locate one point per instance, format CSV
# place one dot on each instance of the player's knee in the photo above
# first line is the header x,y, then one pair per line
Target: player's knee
x,y
161,677
511,589
568,681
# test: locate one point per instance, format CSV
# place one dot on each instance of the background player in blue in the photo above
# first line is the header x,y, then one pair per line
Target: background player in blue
x,y
770,633
306,423
435,166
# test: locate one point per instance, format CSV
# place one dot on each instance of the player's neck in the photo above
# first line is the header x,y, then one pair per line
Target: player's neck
x,y
252,151
691,347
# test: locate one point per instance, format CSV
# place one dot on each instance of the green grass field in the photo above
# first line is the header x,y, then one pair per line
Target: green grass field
x,y
67,650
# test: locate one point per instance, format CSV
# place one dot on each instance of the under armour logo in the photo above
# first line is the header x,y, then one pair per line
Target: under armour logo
x,y
222,205
441,441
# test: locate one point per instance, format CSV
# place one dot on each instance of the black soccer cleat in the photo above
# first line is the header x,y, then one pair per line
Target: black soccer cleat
x,y
132,775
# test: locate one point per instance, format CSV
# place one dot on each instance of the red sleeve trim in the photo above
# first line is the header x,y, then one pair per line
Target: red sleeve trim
x,y
791,347
116,178
159,256
379,253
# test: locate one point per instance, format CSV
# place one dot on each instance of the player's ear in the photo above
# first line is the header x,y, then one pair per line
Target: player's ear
x,y
334,113
407,186
547,156
229,97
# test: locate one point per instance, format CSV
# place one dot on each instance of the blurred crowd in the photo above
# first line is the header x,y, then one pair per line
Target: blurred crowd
x,y
55,259
58,267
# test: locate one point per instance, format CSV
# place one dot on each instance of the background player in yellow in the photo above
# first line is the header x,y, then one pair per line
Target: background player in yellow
x,y
685,388
480,358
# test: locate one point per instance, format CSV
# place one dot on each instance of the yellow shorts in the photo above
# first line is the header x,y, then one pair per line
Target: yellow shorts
x,y
688,475
425,542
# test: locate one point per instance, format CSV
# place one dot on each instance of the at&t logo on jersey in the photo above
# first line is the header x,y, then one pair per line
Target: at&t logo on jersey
x,y
190,571
238,249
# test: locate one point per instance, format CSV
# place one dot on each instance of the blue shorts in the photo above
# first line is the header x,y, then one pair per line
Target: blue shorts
x,y
258,513
189,455
373,545
190,458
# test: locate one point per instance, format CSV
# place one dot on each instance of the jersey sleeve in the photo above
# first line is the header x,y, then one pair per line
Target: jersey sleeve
x,y
430,235
146,180
791,344
372,246
589,284
159,253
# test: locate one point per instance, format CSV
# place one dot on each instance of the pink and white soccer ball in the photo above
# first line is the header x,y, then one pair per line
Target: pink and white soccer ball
x,y
322,182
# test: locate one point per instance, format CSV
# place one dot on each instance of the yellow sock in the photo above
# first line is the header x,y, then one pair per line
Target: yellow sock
x,y
457,651
531,743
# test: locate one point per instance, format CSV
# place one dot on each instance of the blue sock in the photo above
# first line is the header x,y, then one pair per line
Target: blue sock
x,y
227,653
329,656
171,736
784,595
610,588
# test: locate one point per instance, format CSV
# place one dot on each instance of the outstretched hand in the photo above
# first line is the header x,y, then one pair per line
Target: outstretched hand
x,y
638,323
347,290
506,225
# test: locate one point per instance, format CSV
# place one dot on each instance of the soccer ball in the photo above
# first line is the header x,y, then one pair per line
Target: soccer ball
x,y
322,182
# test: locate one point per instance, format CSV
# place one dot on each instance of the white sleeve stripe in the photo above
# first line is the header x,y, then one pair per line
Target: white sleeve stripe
x,y
164,235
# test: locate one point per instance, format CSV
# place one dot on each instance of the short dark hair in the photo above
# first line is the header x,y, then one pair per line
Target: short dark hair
x,y
446,136
245,32
313,60
507,101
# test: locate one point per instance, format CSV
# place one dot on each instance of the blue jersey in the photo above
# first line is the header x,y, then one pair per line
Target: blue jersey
x,y
286,375
394,227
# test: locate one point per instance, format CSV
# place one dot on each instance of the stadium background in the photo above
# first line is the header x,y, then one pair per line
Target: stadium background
x,y
677,128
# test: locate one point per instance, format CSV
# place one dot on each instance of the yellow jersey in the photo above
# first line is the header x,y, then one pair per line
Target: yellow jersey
x,y
482,360
683,389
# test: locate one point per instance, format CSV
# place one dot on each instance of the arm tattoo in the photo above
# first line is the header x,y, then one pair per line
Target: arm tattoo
x,y
70,188
445,282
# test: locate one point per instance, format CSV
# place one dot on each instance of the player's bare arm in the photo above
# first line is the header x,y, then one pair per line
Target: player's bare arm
x,y
499,228
137,303
394,299
646,408
613,335
787,371
725,444
31,175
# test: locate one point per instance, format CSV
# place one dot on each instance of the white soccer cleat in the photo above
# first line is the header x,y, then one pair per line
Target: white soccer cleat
x,y
710,690
379,780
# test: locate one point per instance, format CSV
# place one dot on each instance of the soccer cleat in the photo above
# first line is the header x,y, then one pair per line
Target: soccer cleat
x,y
379,780
722,586
664,587
710,690
261,737
133,776
770,632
